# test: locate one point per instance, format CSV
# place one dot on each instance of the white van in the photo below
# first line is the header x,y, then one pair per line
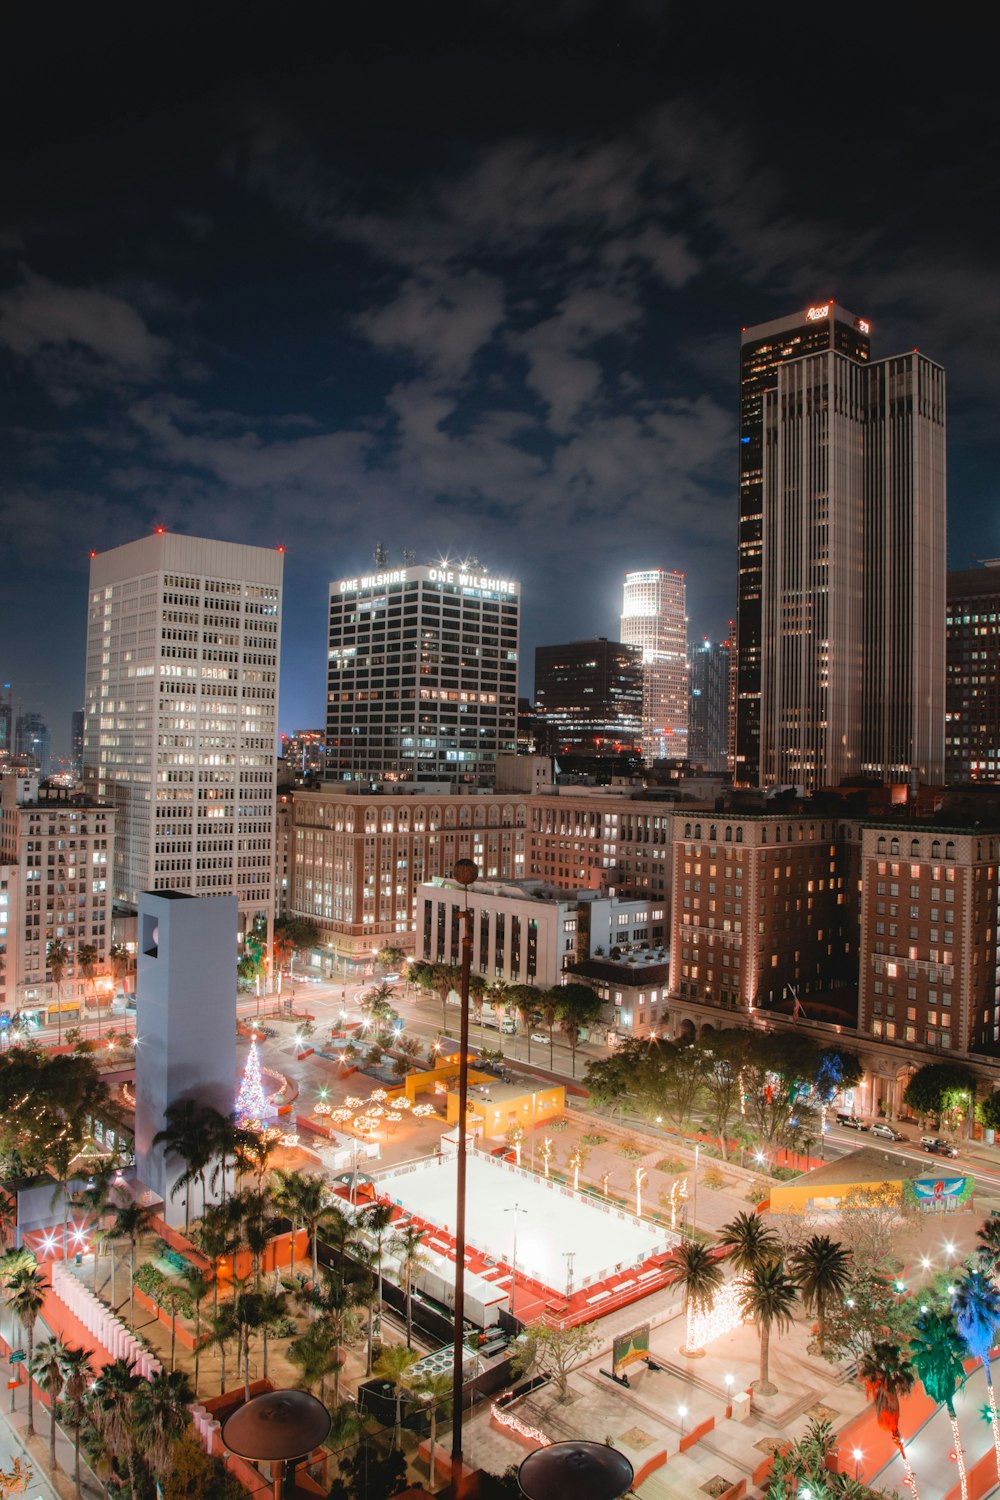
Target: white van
x,y
508,1026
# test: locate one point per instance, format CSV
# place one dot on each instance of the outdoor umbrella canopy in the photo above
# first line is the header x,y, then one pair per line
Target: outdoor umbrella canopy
x,y
587,1471
277,1426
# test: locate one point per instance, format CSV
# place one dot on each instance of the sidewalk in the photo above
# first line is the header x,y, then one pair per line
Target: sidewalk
x,y
13,1431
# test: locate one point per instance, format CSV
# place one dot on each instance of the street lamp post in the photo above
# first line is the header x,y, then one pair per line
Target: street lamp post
x,y
694,1198
466,872
513,1259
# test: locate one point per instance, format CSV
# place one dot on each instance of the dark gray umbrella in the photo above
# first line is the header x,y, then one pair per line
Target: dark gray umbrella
x,y
587,1471
277,1428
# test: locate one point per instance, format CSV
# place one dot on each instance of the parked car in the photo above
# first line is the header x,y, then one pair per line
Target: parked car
x,y
851,1122
540,1036
887,1132
937,1147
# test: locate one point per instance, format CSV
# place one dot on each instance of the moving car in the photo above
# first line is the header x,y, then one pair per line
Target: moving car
x,y
540,1036
851,1122
887,1132
937,1147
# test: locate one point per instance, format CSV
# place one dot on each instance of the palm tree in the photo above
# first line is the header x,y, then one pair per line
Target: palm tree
x,y
162,1416
93,1199
445,978
549,1010
330,1303
86,957
46,1369
888,1375
436,1392
120,960
223,1146
376,1220
116,1395
392,1365
215,1237
315,1355
131,1222
700,1275
198,1284
407,1246
768,1299
315,1210
57,957
976,1306
286,1191
936,1352
25,1299
190,1133
749,1242
77,1372
822,1268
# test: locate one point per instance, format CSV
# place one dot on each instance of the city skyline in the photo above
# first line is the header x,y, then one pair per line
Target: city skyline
x,y
474,287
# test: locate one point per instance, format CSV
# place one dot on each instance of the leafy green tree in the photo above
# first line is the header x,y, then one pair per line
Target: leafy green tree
x,y
870,1308
931,1087
698,1271
721,1056
749,1242
554,1351
390,957
769,1300
301,931
46,1104
366,1473
577,1006
887,1376
988,1111
25,1299
937,1354
197,1475
822,1268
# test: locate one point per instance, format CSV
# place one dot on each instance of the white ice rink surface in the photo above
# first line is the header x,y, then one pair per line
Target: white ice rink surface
x,y
550,1219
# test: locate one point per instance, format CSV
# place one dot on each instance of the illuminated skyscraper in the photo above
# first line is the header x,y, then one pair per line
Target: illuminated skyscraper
x,y
708,731
763,350
422,674
181,715
654,617
588,696
842,562
972,729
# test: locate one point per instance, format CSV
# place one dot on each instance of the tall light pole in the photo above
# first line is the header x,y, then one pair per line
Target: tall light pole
x,y
513,1258
465,872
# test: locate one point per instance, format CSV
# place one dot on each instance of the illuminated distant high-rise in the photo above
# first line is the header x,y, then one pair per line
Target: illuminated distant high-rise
x,y
840,631
422,674
654,618
181,715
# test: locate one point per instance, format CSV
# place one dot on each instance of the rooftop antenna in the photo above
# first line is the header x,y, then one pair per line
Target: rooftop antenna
x,y
381,554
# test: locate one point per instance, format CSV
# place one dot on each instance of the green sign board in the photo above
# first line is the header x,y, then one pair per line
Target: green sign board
x,y
630,1348
17,1356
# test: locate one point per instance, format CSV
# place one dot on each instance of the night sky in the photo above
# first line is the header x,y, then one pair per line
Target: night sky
x,y
461,280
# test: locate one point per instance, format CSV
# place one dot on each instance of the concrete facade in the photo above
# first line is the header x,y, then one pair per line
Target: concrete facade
x,y
185,1021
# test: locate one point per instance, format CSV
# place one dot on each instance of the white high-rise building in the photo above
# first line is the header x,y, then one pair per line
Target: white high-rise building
x,y
422,674
181,711
654,616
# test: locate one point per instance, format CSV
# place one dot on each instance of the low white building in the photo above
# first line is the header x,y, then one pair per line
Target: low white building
x,y
525,931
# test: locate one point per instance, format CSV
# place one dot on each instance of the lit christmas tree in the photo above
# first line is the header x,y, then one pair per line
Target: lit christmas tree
x,y
251,1101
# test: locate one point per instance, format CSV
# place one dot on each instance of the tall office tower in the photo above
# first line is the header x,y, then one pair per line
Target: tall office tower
x,y
845,616
422,675
6,722
972,694
589,697
654,617
31,741
708,725
181,715
763,351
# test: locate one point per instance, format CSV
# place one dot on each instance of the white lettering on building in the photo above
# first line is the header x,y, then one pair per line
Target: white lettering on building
x,y
815,313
